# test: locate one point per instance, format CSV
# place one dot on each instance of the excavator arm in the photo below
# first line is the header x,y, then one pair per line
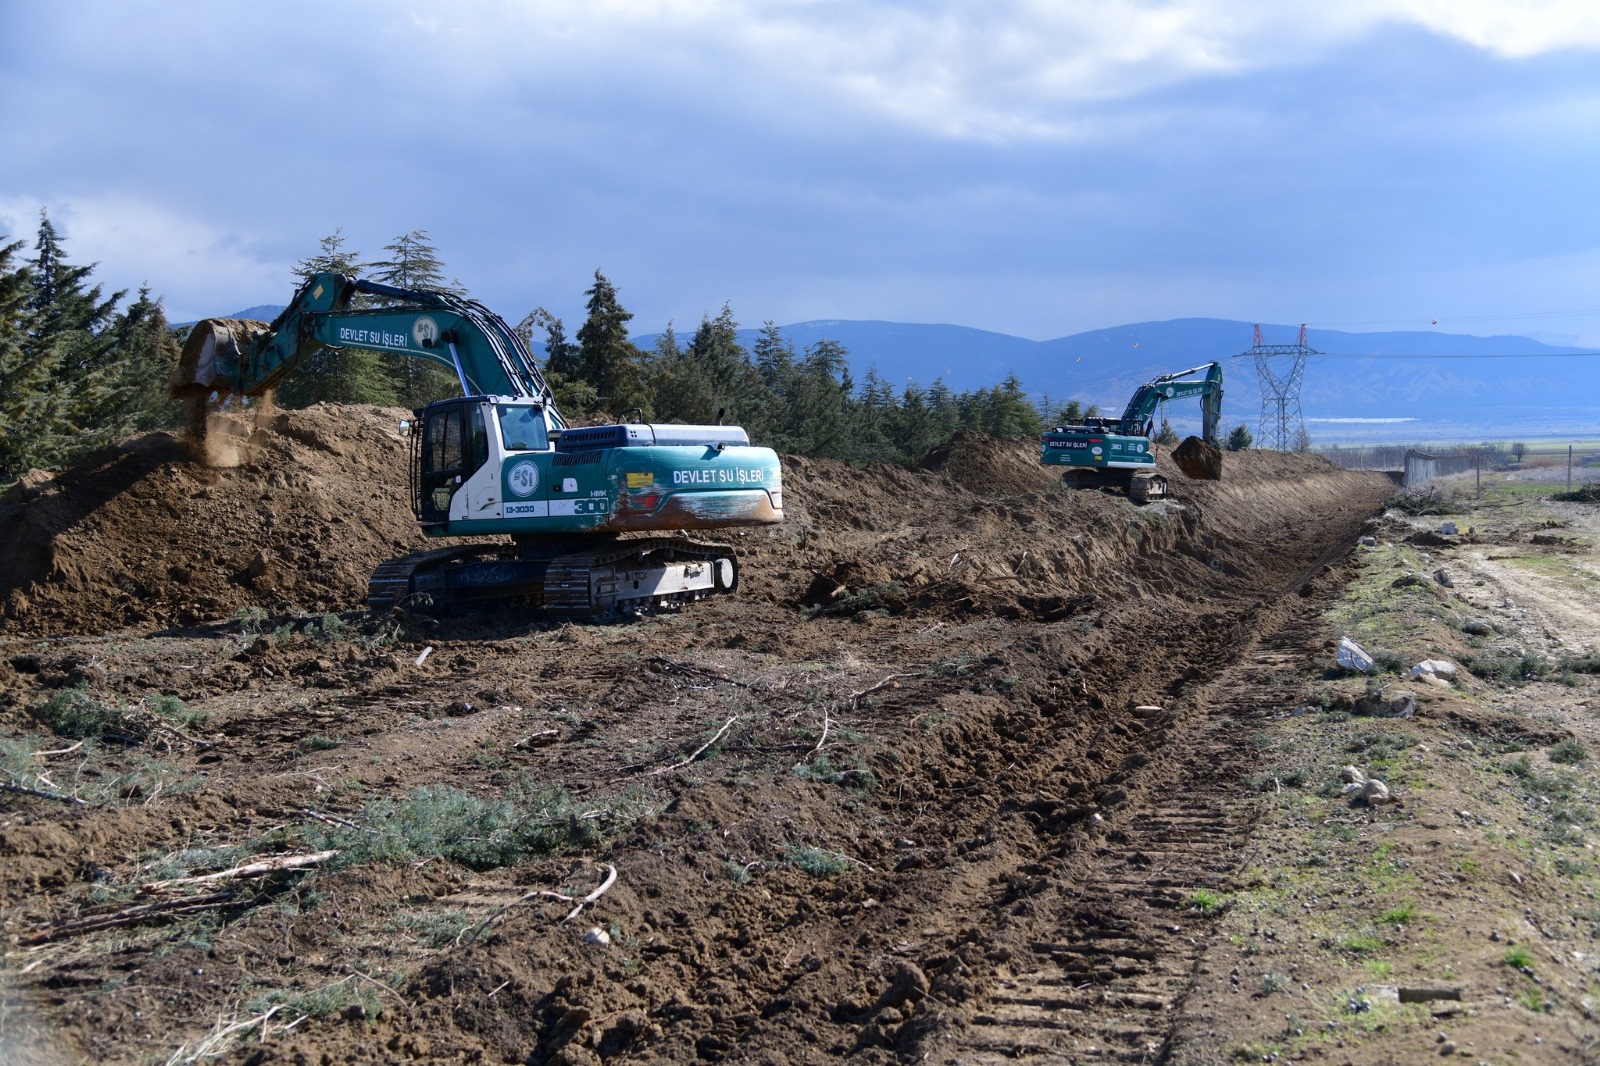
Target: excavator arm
x,y
226,356
1176,386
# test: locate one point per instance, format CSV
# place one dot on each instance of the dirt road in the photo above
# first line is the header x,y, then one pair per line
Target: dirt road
x,y
896,800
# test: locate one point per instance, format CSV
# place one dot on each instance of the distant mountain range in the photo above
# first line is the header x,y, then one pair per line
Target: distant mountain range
x,y
1418,385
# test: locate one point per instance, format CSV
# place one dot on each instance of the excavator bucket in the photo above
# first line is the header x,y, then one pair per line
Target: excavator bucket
x,y
1198,460
212,355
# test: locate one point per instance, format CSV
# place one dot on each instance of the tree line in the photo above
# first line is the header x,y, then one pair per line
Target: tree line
x,y
77,370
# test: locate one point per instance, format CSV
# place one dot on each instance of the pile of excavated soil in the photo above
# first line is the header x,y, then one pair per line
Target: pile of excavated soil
x,y
285,511
290,511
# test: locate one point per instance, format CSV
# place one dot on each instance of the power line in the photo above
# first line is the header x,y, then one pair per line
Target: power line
x,y
1460,355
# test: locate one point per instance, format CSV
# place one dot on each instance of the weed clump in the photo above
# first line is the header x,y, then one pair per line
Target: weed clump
x,y
445,822
1509,669
819,862
1569,752
1426,502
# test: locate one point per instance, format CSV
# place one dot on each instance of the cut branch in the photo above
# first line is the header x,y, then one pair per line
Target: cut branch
x,y
697,752
131,916
545,893
277,864
59,797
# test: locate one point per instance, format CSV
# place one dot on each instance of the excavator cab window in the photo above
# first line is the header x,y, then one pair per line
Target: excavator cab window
x,y
455,444
522,427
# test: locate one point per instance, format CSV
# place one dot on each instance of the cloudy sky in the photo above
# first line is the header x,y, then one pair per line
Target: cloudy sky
x,y
1037,168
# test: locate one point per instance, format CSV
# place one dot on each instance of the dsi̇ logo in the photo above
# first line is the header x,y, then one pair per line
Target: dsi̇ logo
x,y
523,478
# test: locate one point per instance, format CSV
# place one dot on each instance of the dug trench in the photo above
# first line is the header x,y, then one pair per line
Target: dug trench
x,y
893,801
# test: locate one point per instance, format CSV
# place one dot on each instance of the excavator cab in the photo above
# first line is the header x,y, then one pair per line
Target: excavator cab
x,y
449,444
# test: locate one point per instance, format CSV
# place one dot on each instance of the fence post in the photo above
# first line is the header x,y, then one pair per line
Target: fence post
x,y
1569,468
1477,477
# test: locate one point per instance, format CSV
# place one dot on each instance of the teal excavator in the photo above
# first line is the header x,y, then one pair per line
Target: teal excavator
x,y
1120,453
501,460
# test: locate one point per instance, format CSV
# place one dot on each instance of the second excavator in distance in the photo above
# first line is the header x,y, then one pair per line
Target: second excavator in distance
x,y
1121,453
502,460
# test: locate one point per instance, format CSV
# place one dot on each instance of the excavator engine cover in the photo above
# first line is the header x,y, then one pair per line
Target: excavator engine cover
x,y
1198,460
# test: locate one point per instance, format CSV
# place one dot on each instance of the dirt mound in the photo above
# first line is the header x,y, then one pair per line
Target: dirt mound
x,y
287,511
989,466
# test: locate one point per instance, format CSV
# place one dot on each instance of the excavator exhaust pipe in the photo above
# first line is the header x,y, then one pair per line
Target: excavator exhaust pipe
x,y
1198,460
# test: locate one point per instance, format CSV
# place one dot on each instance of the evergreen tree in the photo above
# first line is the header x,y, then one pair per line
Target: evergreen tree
x,y
414,263
1239,439
344,375
607,359
1166,434
147,350
815,414
25,370
714,374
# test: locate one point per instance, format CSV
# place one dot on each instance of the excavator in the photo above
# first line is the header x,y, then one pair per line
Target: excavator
x,y
501,460
1119,452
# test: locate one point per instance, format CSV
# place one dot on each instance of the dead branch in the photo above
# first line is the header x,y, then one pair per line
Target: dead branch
x,y
332,819
697,752
892,681
671,665
826,722
130,916
605,886
545,893
525,741
276,864
59,797
58,751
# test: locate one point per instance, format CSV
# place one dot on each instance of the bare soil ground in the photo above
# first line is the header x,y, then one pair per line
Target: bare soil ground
x,y
898,800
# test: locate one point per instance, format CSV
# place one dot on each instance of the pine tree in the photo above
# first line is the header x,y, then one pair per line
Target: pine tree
x,y
147,350
1239,439
25,369
344,375
414,263
607,359
1166,434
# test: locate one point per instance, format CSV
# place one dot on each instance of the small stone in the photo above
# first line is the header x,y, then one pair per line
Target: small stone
x,y
597,936
1367,542
1477,627
1448,529
1443,577
1516,878
1447,1048
1146,711
1353,656
1352,775
1373,793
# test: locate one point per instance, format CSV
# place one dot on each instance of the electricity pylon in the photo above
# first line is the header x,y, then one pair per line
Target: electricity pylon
x,y
1281,423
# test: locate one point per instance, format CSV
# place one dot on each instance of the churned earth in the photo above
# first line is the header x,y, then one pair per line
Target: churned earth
x,y
972,769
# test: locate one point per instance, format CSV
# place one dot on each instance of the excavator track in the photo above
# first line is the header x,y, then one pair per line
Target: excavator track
x,y
621,579
614,581
393,582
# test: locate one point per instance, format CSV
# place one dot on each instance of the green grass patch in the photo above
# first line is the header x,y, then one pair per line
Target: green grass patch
x,y
1404,914
1568,752
445,822
819,862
